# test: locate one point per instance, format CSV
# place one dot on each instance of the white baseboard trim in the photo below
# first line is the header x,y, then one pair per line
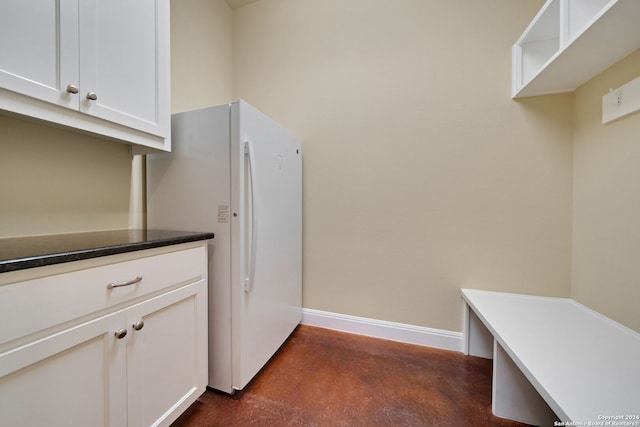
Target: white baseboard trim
x,y
401,332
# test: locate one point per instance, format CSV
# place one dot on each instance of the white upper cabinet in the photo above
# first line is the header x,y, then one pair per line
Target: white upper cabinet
x,y
571,41
119,63
106,63
39,49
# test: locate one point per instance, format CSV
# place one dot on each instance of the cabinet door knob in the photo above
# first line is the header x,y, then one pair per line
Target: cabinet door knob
x,y
92,96
72,89
120,333
138,325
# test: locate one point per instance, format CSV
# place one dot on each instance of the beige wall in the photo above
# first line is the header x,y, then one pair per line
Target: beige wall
x,y
56,181
606,218
421,175
201,58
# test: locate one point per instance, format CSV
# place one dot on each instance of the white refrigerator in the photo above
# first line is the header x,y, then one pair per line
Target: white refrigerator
x,y
236,172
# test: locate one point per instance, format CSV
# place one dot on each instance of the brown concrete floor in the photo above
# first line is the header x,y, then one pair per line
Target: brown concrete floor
x,y
326,378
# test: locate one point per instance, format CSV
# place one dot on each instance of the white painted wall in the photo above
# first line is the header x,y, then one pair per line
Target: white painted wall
x,y
421,175
201,54
606,201
56,181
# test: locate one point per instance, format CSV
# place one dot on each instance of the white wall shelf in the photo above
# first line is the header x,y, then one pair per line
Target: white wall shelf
x,y
571,41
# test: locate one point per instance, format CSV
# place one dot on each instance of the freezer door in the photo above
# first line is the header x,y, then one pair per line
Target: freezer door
x,y
267,261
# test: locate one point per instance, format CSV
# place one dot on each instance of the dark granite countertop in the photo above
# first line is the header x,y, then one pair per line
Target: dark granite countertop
x,y
18,253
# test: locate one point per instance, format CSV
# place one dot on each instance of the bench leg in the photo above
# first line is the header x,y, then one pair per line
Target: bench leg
x,y
514,397
478,340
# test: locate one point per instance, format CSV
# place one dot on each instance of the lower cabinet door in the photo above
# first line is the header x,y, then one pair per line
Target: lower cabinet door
x,y
75,377
167,354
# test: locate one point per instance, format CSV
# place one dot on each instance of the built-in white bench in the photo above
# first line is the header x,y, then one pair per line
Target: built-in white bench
x,y
554,359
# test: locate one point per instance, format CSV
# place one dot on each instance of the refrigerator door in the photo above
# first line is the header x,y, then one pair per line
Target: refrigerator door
x,y
266,193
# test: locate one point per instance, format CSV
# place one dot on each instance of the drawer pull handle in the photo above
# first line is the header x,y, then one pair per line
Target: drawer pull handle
x,y
91,96
138,325
120,333
129,283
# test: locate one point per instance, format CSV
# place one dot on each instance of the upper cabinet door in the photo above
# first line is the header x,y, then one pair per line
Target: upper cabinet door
x,y
99,66
124,63
39,49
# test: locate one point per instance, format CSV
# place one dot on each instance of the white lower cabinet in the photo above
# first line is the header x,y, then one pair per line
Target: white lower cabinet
x,y
167,357
76,377
141,364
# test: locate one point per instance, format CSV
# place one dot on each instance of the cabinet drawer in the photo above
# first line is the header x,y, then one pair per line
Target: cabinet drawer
x,y
35,305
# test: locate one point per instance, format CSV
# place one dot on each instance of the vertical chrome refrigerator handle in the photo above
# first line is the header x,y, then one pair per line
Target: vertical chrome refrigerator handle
x,y
251,268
